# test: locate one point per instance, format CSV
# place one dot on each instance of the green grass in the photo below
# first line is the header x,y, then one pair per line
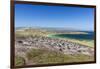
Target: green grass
x,y
19,61
39,56
31,32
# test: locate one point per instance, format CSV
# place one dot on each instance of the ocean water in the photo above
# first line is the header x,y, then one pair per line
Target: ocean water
x,y
89,36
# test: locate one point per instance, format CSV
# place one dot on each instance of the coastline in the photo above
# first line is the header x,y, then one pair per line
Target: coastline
x,y
29,46
84,42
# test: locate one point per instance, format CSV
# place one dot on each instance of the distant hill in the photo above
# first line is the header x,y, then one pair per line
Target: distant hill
x,y
48,29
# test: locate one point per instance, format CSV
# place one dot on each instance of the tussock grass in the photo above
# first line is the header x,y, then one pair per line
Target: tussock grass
x,y
39,56
19,61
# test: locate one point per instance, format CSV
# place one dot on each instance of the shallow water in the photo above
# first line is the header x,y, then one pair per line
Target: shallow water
x,y
89,36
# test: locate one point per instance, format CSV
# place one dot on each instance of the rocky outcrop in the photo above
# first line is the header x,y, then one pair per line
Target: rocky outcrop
x,y
22,45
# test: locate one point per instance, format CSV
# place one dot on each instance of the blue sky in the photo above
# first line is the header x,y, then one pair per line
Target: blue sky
x,y
79,18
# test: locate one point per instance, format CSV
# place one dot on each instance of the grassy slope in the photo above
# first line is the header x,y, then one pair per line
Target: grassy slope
x,y
38,56
19,61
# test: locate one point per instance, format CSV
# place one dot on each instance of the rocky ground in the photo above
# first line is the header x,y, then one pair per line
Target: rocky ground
x,y
23,45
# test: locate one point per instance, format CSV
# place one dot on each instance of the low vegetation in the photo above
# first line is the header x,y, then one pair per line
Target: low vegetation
x,y
19,61
39,56
43,56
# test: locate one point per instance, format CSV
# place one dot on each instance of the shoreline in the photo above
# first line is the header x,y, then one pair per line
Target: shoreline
x,y
69,39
